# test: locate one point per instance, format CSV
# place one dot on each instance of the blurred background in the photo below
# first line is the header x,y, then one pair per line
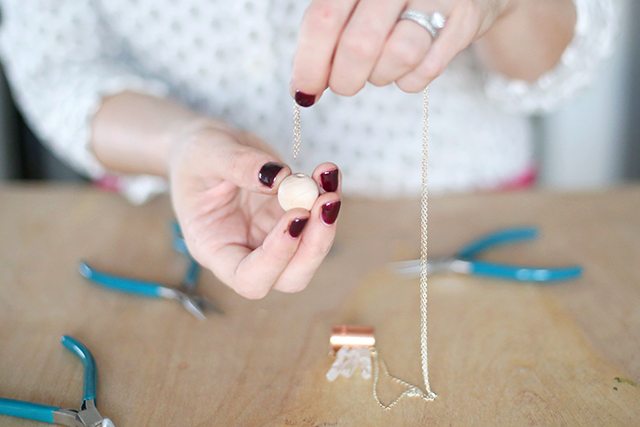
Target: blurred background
x,y
591,142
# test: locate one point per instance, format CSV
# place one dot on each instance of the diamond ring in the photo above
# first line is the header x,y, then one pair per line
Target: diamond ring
x,y
432,22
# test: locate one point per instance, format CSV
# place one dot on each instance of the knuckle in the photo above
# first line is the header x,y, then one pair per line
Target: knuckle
x,y
360,45
242,160
322,249
322,17
277,254
280,257
405,53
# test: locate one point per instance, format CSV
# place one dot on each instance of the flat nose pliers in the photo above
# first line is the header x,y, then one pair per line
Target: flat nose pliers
x,y
465,261
86,416
186,293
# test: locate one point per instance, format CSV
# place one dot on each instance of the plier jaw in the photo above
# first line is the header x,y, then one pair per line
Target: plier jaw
x,y
88,416
434,266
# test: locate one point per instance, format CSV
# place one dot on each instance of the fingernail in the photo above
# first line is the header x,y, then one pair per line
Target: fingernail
x,y
268,173
330,212
296,226
304,99
329,180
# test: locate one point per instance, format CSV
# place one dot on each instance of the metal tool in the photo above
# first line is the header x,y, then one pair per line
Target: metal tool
x,y
86,416
465,261
186,293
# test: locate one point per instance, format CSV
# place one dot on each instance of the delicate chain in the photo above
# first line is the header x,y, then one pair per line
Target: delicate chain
x,y
424,244
297,131
413,390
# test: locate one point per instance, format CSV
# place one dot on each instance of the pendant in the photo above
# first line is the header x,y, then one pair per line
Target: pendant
x,y
352,346
298,191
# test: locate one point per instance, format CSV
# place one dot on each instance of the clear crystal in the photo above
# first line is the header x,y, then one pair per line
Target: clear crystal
x,y
348,361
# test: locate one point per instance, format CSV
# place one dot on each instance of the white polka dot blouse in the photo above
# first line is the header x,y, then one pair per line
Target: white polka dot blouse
x,y
232,60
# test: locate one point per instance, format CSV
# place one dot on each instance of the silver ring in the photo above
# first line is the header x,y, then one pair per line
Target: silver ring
x,y
432,22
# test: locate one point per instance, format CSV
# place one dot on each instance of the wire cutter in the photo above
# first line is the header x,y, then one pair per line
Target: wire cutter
x,y
87,416
186,293
466,261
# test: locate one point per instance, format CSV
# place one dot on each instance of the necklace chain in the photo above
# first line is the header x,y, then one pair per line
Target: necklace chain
x,y
424,245
297,131
411,390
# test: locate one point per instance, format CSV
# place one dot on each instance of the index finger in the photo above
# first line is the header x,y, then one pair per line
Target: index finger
x,y
319,33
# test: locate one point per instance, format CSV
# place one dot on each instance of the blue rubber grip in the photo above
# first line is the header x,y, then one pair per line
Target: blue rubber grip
x,y
509,235
178,240
524,274
121,284
27,410
193,270
83,353
192,274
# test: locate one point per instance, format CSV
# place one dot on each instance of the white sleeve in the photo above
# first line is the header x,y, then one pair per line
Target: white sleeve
x,y
592,42
60,66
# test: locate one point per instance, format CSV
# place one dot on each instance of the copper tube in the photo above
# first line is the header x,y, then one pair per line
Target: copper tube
x,y
352,336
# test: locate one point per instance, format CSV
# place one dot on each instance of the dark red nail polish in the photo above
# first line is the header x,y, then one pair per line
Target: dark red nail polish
x,y
330,212
329,180
296,226
268,173
304,99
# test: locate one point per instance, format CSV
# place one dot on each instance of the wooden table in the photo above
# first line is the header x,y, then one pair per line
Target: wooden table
x,y
501,353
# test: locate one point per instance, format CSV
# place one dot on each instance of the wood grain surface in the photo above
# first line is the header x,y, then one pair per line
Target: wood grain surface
x,y
501,353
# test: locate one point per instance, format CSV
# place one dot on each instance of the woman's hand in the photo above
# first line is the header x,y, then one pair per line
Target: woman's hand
x,y
223,186
345,43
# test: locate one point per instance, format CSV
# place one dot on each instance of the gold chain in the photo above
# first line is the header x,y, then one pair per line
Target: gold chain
x,y
411,390
424,245
297,131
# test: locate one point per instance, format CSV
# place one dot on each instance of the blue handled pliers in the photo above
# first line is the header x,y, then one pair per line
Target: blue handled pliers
x,y
466,261
186,293
86,416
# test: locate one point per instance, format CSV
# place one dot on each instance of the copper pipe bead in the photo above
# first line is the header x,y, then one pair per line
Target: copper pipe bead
x,y
351,336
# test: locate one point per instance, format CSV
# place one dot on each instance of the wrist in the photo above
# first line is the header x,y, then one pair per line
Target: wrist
x,y
188,141
137,134
187,131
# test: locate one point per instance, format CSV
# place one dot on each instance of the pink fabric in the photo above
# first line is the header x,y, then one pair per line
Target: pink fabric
x,y
520,182
108,183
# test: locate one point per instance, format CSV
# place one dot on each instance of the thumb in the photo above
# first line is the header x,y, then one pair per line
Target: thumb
x,y
247,166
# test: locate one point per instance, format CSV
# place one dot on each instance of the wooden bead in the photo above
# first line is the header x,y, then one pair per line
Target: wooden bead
x,y
297,191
